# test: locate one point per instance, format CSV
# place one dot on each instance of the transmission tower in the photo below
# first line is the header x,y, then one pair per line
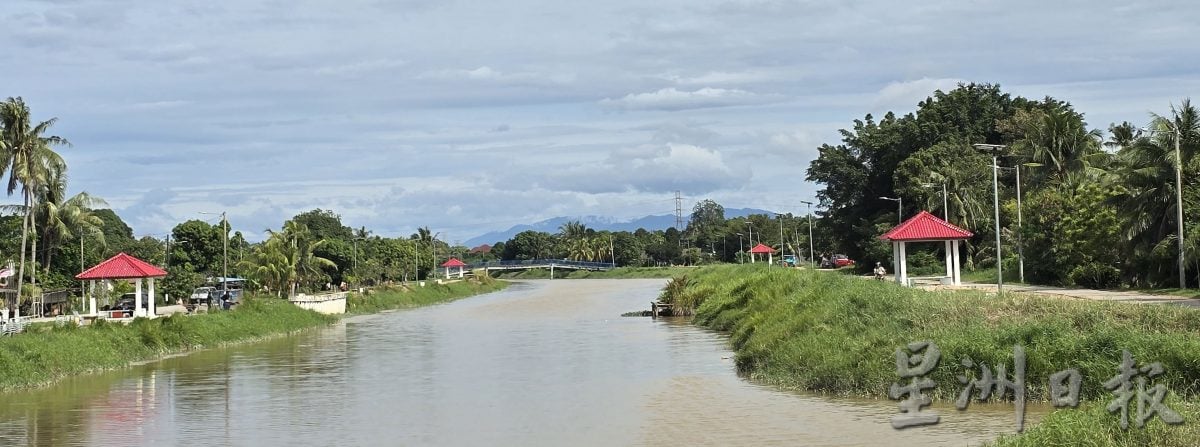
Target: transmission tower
x,y
678,211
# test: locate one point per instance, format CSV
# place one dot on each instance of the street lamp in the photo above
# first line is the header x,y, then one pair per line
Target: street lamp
x,y
741,259
356,257
780,217
996,150
811,264
225,256
945,200
1178,195
899,207
751,226
1020,246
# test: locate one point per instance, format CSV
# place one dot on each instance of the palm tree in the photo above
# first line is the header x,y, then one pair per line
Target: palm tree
x,y
1059,141
61,217
1122,135
1147,170
287,259
30,160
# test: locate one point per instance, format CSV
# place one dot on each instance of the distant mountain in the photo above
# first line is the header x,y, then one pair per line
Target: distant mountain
x,y
657,222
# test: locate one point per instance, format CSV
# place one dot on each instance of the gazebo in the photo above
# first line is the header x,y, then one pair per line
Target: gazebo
x,y
123,266
454,262
925,227
761,249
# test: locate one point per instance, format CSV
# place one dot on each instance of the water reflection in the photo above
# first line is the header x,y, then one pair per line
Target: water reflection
x,y
543,363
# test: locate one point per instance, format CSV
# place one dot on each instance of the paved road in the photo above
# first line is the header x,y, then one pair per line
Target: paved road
x,y
1089,294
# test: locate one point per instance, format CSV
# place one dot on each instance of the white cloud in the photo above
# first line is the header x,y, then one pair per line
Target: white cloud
x,y
905,95
386,111
671,99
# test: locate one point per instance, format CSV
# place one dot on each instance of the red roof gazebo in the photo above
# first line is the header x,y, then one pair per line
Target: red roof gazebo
x,y
454,262
123,266
762,249
925,227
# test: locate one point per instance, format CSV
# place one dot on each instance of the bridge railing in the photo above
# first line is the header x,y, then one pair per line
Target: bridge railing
x,y
532,263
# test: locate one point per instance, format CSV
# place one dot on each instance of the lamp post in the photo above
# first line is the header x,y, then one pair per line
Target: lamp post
x,y
996,150
750,225
1020,246
356,257
1178,196
740,245
899,207
811,263
225,255
780,217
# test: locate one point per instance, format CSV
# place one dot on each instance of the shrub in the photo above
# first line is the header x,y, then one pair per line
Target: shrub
x,y
1095,275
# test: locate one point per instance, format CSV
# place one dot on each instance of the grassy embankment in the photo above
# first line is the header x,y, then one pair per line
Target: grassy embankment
x,y
382,299
837,334
617,273
48,352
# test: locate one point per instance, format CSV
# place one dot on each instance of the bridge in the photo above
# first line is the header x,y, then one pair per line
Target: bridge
x,y
542,264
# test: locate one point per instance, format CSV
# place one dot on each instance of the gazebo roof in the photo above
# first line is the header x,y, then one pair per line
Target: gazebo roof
x,y
454,262
926,227
760,248
122,266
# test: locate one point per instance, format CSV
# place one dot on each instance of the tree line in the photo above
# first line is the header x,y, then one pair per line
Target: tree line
x,y
1098,208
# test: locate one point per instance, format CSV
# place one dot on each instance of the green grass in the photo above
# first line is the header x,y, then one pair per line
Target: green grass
x,y
402,298
617,273
837,334
50,352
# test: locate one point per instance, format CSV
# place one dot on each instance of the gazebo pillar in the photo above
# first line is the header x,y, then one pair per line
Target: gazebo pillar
x,y
896,261
771,258
949,262
150,304
137,298
92,297
957,276
903,273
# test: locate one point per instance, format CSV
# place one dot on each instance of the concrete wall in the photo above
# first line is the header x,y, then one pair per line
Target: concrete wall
x,y
330,303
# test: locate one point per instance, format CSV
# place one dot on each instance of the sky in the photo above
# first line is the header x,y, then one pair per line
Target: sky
x,y
471,116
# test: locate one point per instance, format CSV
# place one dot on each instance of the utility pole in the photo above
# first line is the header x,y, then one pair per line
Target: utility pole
x,y
679,215
811,263
995,150
1020,246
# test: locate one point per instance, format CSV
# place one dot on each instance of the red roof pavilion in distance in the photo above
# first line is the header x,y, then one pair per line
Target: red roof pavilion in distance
x,y
454,262
760,249
122,266
925,227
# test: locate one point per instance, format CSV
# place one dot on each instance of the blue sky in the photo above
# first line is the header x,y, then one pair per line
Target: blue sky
x,y
474,116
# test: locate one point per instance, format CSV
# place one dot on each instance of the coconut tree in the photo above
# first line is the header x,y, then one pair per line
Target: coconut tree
x,y
30,160
1147,169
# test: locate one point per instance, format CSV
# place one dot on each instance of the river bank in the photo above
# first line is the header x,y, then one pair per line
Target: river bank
x,y
47,353
617,273
835,334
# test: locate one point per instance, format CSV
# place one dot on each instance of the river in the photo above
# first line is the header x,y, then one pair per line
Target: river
x,y
541,363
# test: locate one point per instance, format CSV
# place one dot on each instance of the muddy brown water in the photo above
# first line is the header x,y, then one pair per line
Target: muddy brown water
x,y
544,363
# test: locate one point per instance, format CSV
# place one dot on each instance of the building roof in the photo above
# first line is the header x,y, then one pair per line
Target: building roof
x,y
760,248
454,262
925,227
122,266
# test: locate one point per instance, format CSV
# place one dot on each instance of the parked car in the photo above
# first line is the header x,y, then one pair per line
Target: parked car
x,y
126,304
836,261
789,260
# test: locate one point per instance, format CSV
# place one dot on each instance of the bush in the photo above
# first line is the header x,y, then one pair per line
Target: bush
x,y
1095,275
